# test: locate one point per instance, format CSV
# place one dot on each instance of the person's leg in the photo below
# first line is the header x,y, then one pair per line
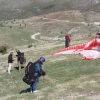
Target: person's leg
x,y
9,67
19,66
31,88
35,85
66,44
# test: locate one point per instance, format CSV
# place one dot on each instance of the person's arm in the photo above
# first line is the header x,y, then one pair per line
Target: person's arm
x,y
40,70
37,68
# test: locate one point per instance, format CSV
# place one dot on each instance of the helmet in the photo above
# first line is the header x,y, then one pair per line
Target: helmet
x,y
42,59
17,51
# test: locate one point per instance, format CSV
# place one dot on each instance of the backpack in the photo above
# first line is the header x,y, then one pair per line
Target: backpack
x,y
69,38
30,70
22,58
29,77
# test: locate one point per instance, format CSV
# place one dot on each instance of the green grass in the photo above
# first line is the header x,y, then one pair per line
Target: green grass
x,y
68,77
15,37
63,77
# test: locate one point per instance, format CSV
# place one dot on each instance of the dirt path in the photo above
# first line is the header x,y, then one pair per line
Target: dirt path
x,y
33,36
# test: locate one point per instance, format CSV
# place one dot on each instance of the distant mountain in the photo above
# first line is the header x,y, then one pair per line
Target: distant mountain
x,y
17,9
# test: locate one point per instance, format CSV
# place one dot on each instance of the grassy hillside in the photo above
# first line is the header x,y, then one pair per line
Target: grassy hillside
x,y
12,9
12,36
68,77
50,26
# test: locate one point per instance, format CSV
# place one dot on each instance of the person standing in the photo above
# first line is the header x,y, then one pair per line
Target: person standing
x,y
18,59
67,40
38,72
97,34
10,61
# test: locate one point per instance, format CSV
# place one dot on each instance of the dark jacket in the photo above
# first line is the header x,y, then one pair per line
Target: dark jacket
x,y
97,35
67,40
10,59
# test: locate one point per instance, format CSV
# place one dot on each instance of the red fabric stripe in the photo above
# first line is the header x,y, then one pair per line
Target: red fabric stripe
x,y
72,48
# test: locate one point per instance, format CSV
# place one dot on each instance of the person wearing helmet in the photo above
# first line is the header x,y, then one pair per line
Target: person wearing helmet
x,y
38,72
42,59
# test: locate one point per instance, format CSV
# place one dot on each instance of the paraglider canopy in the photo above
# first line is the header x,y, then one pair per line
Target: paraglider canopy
x,y
90,50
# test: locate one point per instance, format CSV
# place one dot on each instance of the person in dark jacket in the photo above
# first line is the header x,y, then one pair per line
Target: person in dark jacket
x,y
39,72
97,34
67,40
10,61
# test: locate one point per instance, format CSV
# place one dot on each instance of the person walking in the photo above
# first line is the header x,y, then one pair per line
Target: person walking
x,y
38,72
10,61
67,40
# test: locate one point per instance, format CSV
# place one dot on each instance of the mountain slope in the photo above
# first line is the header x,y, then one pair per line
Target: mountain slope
x,y
16,9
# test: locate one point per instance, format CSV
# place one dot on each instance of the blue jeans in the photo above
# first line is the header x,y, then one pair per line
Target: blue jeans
x,y
34,85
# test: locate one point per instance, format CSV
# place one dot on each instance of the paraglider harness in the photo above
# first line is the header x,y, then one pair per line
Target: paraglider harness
x,y
21,57
30,70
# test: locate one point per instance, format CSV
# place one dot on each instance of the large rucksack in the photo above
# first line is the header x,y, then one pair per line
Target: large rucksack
x,y
30,70
29,77
22,58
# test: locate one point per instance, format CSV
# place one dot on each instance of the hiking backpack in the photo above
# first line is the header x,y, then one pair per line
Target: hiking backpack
x,y
30,70
22,58
29,77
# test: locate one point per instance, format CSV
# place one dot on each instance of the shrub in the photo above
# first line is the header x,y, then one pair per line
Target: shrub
x,y
30,45
1,25
10,26
3,49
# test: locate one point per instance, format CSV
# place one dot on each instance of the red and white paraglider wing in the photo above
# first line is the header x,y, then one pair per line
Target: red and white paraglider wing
x,y
90,50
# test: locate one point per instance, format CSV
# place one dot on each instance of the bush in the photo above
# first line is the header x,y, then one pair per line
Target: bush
x,y
3,49
1,25
10,26
30,45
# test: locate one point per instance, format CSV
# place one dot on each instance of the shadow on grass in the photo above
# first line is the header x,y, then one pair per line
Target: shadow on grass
x,y
17,68
25,91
